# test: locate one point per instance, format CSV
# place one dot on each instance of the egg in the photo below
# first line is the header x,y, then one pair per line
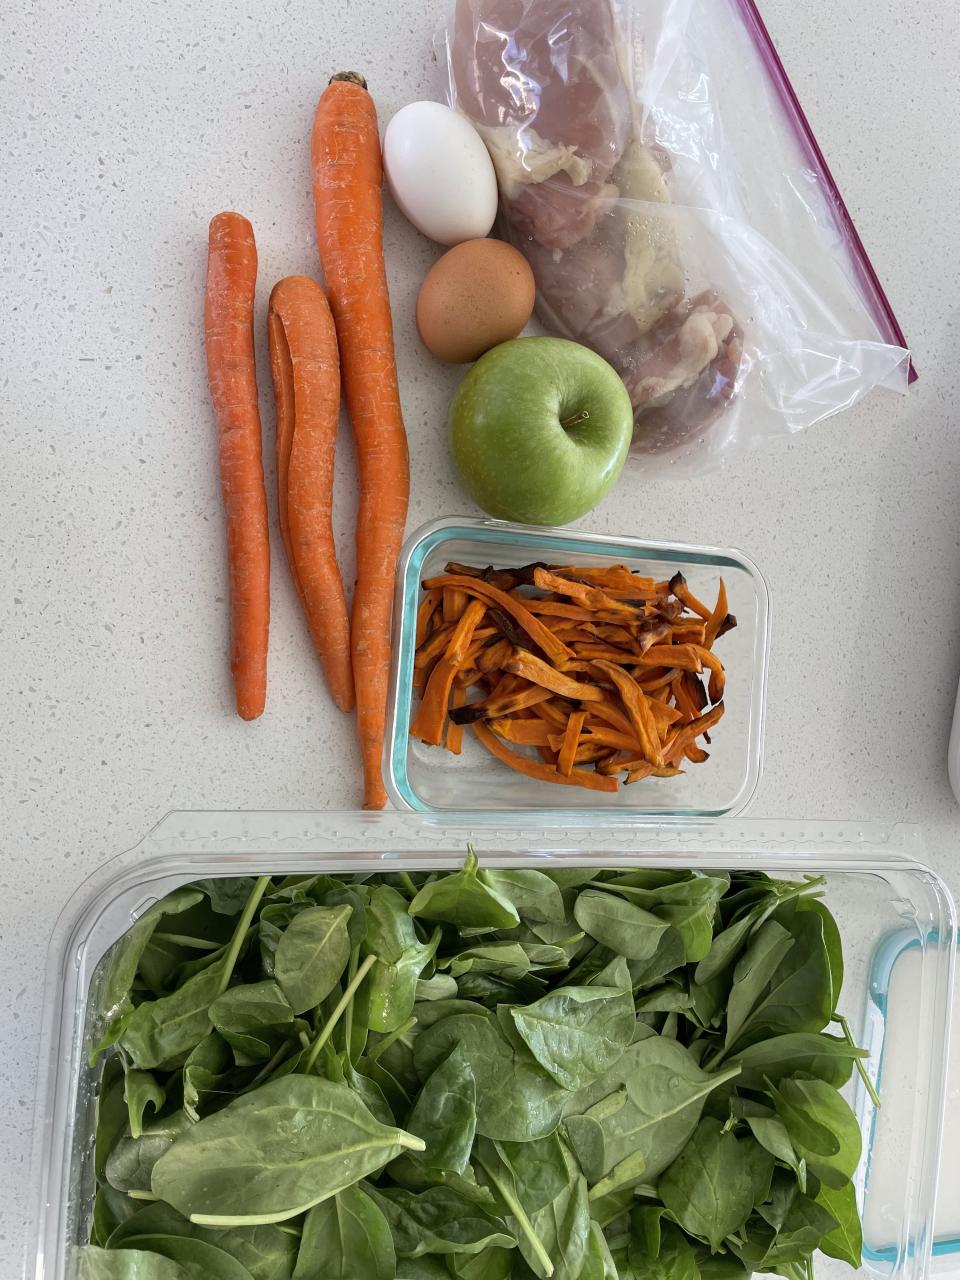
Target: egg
x,y
440,173
478,295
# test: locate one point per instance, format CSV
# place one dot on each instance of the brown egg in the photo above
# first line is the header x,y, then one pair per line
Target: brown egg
x,y
478,295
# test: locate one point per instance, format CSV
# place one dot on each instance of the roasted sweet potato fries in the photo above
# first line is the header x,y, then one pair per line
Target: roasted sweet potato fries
x,y
603,673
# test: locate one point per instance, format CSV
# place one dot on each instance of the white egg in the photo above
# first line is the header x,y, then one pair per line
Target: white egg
x,y
440,173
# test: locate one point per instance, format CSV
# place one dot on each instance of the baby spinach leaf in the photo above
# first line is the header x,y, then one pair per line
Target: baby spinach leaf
x,y
141,1090
161,1031
356,899
672,1259
371,1093
346,1238
126,960
439,1221
492,1264
275,1153
268,1252
714,1183
253,1019
552,1234
227,894
508,960
829,1058
425,1268
625,929
206,1073
798,1100
780,987
440,987
772,1135
464,899
534,895
112,1118
647,1107
401,958
577,1033
196,1259
540,1167
516,1100
111,1208
598,1263
845,1239
445,1114
91,1263
130,1164
312,955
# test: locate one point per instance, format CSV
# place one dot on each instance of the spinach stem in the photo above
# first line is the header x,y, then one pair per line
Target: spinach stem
x,y
407,881
338,1011
282,1053
182,940
518,1211
390,1039
861,1069
348,1019
243,924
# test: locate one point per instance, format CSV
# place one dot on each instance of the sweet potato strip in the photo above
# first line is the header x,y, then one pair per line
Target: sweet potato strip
x,y
571,741
684,656
638,710
454,739
558,609
425,614
686,631
717,617
718,676
454,603
432,713
462,636
617,577
431,649
542,772
524,664
542,636
678,585
677,743
586,595
493,656
649,683
525,733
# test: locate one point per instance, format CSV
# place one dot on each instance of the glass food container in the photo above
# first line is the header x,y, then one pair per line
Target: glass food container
x,y
874,886
431,779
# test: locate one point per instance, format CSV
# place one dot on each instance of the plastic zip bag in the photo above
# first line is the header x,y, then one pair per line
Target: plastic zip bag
x,y
658,173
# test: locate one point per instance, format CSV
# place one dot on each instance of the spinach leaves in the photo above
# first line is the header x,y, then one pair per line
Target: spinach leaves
x,y
491,1074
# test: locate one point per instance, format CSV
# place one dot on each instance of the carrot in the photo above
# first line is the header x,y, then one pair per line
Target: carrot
x,y
347,180
306,379
232,373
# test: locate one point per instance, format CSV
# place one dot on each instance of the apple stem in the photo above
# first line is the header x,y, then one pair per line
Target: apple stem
x,y
582,416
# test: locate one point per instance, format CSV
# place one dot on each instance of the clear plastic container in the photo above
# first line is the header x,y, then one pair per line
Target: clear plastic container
x,y
873,885
430,779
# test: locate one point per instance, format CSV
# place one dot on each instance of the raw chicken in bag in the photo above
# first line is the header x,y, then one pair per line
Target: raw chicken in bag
x,y
619,183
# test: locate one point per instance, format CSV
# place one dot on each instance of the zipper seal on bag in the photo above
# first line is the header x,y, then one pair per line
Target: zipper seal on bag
x,y
874,293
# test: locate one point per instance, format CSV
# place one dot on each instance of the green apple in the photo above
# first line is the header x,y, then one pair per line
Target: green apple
x,y
540,429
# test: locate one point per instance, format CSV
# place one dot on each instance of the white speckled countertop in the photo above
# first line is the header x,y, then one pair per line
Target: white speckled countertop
x,y
124,127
